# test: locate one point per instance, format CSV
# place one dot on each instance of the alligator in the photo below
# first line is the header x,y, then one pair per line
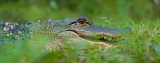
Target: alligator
x,y
69,32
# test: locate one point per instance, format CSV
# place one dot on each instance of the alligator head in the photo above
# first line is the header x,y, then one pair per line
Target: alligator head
x,y
83,27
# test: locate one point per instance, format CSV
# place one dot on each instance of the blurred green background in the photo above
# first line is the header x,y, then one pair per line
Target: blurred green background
x,y
22,11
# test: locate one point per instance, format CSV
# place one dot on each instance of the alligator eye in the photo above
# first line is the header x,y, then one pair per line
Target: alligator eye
x,y
81,21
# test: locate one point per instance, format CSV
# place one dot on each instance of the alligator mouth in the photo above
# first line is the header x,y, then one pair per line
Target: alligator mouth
x,y
99,36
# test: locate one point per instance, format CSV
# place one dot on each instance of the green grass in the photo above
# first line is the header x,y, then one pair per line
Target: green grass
x,y
142,46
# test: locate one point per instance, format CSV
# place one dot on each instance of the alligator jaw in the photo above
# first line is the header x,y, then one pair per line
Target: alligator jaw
x,y
101,35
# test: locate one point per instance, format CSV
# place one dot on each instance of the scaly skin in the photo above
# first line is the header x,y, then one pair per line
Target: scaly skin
x,y
72,30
